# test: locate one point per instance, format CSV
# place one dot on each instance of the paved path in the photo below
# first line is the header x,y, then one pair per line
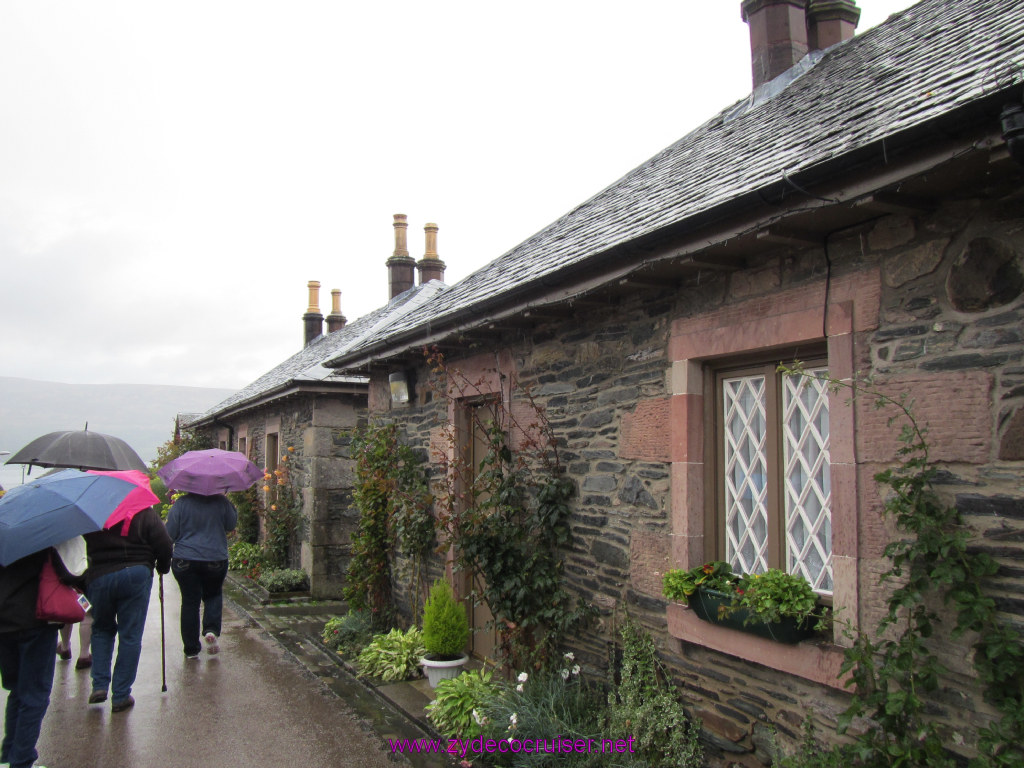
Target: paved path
x,y
251,706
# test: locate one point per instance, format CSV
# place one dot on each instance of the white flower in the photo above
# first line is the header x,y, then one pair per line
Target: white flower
x,y
576,669
570,657
565,674
513,718
478,718
519,688
523,677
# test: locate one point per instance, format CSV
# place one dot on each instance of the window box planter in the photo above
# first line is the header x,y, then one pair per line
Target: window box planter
x,y
705,604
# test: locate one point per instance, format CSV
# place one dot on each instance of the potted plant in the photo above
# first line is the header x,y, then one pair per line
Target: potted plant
x,y
716,575
445,633
774,604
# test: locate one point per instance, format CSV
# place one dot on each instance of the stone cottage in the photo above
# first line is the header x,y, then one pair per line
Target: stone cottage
x,y
861,211
307,412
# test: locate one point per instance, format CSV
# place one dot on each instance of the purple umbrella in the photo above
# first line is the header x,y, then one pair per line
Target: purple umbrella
x,y
210,472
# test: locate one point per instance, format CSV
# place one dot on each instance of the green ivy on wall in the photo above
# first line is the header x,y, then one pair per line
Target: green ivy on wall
x,y
394,503
932,564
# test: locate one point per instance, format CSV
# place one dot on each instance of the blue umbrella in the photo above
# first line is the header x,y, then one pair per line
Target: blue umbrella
x,y
56,508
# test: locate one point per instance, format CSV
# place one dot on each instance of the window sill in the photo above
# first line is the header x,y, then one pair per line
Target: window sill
x,y
817,661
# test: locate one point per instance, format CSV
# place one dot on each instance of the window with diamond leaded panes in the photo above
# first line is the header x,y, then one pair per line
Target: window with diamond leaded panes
x,y
773,496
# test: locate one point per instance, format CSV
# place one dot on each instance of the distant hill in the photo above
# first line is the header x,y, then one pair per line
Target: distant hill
x,y
140,414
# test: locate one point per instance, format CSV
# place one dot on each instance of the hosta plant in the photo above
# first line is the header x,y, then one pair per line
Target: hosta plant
x,y
392,656
283,580
348,634
456,710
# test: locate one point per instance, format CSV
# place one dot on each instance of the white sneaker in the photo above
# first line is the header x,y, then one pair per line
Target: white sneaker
x,y
211,643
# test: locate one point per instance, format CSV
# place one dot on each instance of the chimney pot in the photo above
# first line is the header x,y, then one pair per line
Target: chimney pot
x,y
314,296
778,36
312,321
401,226
430,266
830,22
401,265
335,321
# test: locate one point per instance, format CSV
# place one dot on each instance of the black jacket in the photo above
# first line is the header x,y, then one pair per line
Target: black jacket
x,y
19,589
147,543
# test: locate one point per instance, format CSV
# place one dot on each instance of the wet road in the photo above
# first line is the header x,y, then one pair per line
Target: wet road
x,y
249,706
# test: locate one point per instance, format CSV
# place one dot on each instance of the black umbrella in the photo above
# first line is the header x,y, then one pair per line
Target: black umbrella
x,y
79,450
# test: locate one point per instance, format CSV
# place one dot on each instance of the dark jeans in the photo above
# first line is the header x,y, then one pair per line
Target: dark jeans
x,y
200,581
27,660
120,601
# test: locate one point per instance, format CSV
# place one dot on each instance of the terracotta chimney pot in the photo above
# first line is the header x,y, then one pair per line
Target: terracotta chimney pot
x,y
778,36
312,321
430,266
401,265
335,321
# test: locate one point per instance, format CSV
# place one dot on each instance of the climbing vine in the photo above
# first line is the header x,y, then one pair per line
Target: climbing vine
x,y
931,564
393,501
506,516
282,514
250,509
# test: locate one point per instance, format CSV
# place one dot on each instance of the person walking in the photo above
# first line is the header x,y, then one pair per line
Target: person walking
x,y
73,557
84,641
199,526
27,659
119,581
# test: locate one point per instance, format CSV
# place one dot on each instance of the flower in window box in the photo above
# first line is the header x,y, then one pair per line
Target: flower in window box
x,y
773,604
717,574
775,594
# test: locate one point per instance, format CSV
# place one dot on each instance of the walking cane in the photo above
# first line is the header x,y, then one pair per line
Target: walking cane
x,y
163,645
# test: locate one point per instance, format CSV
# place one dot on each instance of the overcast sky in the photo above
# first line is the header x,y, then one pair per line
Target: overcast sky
x,y
172,174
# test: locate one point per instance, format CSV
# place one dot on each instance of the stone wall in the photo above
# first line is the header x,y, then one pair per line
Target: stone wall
x,y
943,324
318,429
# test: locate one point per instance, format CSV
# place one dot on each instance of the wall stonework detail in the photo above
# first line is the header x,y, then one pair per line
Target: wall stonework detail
x,y
650,556
955,407
645,432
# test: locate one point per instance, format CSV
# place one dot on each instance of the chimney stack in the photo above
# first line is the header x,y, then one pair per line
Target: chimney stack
x,y
401,264
335,321
784,31
313,321
430,266
778,36
830,22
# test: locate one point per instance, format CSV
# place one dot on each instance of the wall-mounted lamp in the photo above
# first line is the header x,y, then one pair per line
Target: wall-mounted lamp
x,y
1012,120
399,387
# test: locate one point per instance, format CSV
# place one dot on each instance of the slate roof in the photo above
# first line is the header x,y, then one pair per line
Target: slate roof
x,y
306,365
919,66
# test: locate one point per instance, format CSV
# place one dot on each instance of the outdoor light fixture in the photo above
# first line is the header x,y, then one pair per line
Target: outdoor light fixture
x,y
1012,119
399,387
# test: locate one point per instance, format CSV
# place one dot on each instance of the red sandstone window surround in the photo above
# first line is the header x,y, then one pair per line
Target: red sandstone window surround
x,y
701,345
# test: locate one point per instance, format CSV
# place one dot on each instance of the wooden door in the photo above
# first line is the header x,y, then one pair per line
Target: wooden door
x,y
484,637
